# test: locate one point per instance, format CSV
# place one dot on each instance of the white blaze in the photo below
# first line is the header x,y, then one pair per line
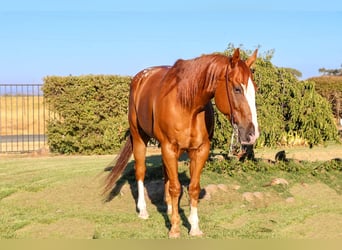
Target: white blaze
x,y
250,96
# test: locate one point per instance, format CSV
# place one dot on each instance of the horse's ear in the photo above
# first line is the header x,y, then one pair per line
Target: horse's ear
x,y
252,58
236,57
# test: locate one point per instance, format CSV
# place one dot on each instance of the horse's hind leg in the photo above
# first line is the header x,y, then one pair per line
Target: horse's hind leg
x,y
139,152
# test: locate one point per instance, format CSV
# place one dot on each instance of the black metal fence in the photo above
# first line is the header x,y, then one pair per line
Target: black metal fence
x,y
23,116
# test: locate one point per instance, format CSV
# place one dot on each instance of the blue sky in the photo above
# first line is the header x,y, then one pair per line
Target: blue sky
x,y
62,37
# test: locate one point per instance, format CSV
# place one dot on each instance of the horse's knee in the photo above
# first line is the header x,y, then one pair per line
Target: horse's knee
x,y
194,190
175,189
140,171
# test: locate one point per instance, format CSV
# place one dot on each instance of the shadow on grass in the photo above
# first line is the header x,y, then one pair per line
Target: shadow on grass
x,y
154,184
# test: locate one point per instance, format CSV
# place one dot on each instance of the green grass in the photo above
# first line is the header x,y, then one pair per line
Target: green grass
x,y
60,197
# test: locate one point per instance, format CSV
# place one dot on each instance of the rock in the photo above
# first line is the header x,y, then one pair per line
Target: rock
x,y
258,195
277,181
290,200
206,197
222,187
211,189
219,157
248,196
253,197
236,187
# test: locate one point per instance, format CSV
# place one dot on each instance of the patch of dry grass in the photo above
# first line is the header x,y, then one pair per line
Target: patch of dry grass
x,y
22,115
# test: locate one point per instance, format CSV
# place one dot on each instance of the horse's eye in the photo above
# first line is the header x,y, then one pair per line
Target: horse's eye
x,y
237,90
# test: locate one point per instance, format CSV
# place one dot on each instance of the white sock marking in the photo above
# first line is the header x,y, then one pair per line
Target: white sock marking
x,y
193,219
141,201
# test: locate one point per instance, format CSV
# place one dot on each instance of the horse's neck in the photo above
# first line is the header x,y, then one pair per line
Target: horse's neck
x,y
221,98
202,99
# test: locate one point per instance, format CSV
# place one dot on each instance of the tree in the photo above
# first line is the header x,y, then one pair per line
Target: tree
x,y
294,72
331,72
330,87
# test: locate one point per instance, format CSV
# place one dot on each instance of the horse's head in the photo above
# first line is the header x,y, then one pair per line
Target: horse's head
x,y
235,97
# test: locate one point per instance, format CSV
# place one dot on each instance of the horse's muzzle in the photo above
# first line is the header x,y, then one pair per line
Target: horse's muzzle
x,y
249,135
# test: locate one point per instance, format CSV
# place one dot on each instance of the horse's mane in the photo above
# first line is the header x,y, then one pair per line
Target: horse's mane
x,y
192,76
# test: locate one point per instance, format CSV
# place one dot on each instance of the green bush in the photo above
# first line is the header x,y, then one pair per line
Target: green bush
x,y
90,113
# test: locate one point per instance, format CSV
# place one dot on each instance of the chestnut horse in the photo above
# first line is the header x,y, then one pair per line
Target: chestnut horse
x,y
173,105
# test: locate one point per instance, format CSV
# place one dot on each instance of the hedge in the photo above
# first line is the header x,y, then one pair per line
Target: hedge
x,y
90,113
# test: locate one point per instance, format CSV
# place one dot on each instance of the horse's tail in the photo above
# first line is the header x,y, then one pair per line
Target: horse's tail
x,y
118,165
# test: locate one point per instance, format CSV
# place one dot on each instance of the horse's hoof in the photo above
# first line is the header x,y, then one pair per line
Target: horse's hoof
x,y
174,232
143,215
174,235
196,232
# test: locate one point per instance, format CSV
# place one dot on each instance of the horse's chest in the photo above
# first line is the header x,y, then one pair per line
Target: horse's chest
x,y
186,131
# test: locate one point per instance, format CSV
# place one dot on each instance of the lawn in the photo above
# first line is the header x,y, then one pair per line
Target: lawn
x,y
59,197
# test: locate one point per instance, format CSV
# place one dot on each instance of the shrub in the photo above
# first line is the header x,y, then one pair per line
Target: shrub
x,y
90,113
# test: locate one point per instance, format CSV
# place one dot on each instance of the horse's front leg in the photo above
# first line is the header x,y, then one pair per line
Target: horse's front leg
x,y
170,160
167,196
198,158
